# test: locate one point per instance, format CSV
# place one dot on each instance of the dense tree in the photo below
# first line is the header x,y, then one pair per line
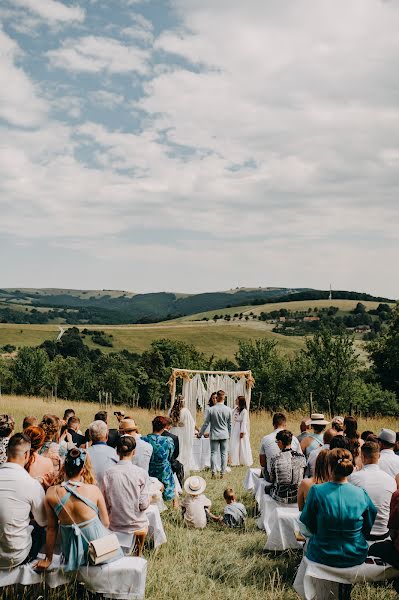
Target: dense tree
x,y
384,353
30,370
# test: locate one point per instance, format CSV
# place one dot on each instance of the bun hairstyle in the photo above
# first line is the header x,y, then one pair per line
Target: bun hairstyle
x,y
125,445
340,463
7,425
51,426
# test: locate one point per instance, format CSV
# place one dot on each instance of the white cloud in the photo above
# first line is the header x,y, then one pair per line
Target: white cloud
x,y
52,10
93,54
20,103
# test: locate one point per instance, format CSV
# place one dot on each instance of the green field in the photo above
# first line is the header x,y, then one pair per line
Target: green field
x,y
219,339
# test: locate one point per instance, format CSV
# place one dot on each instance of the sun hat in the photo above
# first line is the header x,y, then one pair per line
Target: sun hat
x,y
127,425
194,485
318,419
307,421
388,436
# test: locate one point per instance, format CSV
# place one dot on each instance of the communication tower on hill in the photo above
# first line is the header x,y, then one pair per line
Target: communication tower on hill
x,y
330,294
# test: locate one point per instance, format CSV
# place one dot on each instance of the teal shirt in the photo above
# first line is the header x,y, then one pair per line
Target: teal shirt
x,y
339,516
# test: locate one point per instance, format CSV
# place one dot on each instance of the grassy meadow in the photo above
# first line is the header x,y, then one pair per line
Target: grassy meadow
x,y
214,564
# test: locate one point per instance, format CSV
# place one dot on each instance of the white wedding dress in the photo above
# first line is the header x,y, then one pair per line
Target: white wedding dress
x,y
185,432
240,447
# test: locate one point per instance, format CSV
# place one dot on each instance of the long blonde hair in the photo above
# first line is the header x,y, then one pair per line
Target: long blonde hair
x,y
87,474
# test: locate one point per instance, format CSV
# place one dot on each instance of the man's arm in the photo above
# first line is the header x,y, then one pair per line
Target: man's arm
x,y
38,506
262,460
229,423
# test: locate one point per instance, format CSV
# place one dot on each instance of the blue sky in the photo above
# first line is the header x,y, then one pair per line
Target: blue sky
x,y
194,146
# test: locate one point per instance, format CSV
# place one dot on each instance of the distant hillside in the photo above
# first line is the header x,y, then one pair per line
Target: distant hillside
x,y
27,305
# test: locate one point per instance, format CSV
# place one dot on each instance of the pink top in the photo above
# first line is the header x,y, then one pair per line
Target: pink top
x,y
43,470
125,489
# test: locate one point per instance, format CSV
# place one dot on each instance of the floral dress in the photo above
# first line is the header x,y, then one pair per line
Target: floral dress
x,y
160,466
3,449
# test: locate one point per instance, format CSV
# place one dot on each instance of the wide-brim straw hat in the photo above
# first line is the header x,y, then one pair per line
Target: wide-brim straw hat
x,y
127,426
318,419
194,485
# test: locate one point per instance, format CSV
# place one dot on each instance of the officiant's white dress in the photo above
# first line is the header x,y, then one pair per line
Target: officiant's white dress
x,y
240,447
185,432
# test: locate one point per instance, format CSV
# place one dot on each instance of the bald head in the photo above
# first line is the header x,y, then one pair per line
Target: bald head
x,y
328,435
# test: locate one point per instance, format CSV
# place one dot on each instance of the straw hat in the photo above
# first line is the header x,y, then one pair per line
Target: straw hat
x,y
194,485
318,419
127,426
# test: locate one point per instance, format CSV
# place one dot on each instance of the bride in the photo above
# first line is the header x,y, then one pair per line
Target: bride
x,y
183,426
240,445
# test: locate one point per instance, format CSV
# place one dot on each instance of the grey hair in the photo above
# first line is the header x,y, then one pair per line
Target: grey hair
x,y
98,431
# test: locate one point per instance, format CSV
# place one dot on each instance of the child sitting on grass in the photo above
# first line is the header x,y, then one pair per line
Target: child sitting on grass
x,y
195,505
234,513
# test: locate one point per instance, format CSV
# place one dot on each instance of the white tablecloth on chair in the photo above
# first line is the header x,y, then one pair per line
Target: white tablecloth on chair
x,y
123,579
283,525
201,454
259,489
314,580
155,529
268,508
251,476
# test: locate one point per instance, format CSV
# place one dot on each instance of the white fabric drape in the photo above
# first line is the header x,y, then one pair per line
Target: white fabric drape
x,y
185,432
197,391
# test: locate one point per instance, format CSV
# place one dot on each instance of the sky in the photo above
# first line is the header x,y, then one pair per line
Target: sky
x,y
196,146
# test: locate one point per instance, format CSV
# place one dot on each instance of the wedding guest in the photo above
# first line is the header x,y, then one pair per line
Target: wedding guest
x,y
143,451
305,428
286,470
73,425
268,446
354,440
160,466
39,467
101,455
389,461
30,422
328,436
195,505
321,475
315,439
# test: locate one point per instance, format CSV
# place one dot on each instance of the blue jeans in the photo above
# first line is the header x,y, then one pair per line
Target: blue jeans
x,y
217,446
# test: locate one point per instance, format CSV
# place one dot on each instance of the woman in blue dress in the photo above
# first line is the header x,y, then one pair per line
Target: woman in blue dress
x,y
78,507
339,517
160,466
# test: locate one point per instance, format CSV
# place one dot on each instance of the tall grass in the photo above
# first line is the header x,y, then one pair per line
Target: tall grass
x,y
216,563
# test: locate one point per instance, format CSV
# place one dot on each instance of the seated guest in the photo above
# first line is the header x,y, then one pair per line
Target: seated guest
x,y
7,425
113,434
160,466
314,440
286,470
195,505
101,455
68,413
268,446
327,437
339,516
364,436
379,485
389,461
339,441
125,489
338,425
396,449
56,445
177,466
73,425
39,467
20,496
321,475
30,422
354,440
234,513
304,428
142,455
77,506
388,550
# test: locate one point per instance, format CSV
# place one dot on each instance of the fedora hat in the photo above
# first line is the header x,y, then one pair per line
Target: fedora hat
x,y
388,436
194,485
318,419
127,425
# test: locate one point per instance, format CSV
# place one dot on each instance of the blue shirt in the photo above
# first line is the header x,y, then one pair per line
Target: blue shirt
x,y
340,517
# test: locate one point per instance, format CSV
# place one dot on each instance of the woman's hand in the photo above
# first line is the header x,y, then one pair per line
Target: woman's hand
x,y
43,564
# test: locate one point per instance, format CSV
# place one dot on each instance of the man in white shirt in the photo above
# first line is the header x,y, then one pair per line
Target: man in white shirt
x,y
102,456
327,437
144,450
379,485
389,461
269,448
20,495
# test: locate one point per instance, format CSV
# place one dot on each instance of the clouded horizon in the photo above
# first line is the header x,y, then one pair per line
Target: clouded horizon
x,y
196,146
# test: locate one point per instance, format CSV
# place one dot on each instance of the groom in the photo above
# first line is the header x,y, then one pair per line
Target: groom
x,y
219,420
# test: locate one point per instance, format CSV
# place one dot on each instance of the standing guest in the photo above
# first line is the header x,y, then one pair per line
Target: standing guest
x,y
30,422
268,446
389,461
160,466
304,428
388,550
39,467
328,435
339,517
195,505
219,419
338,425
315,439
101,455
379,485
354,440
321,475
77,507
7,425
73,429
177,466
20,496
126,494
143,451
183,425
113,434
240,445
211,402
286,470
